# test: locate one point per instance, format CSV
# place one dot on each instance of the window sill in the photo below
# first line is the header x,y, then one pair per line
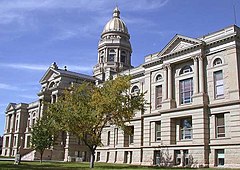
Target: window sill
x,y
219,98
157,141
221,138
185,140
186,104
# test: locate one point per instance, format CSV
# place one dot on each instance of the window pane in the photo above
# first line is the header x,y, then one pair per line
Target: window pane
x,y
218,83
186,90
158,99
158,130
219,91
186,128
220,119
221,129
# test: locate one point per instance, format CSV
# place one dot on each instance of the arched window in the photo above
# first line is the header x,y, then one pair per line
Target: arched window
x,y
51,84
186,69
158,77
54,98
217,61
135,89
112,55
123,56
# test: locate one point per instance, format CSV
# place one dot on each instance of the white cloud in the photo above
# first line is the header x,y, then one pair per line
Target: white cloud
x,y
40,67
4,86
22,66
79,68
92,5
28,96
143,5
3,104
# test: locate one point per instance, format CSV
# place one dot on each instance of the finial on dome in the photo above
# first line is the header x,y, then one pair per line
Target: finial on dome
x,y
116,12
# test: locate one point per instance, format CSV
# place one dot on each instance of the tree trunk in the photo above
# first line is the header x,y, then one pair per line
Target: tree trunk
x,y
92,159
41,153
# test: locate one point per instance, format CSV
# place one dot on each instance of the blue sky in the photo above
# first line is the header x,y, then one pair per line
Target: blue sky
x,y
34,34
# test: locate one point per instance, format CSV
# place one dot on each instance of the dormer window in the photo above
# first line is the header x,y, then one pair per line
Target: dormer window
x,y
101,56
186,69
112,55
123,56
217,61
158,77
51,85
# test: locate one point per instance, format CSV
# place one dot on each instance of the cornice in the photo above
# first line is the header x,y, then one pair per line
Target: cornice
x,y
222,39
137,75
172,55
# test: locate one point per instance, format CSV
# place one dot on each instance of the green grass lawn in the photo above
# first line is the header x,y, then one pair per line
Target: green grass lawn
x,y
5,165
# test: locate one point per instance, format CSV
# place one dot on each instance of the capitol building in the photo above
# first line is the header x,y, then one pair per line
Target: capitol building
x,y
192,85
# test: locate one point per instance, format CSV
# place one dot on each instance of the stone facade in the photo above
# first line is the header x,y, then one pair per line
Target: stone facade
x,y
192,86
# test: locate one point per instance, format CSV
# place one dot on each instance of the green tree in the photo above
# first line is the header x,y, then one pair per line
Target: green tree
x,y
84,110
42,135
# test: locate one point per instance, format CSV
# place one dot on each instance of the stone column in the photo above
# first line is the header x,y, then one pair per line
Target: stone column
x,y
6,123
169,81
201,79
165,93
118,55
182,158
11,123
195,85
99,60
106,55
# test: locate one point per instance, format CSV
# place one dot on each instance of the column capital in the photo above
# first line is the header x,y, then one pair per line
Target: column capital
x,y
167,66
194,58
200,57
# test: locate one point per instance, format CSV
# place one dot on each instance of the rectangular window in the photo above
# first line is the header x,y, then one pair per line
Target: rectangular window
x,y
131,136
7,142
178,157
116,136
220,157
186,128
218,84
98,156
157,157
108,153
158,99
186,90
108,138
16,125
220,125
158,131
28,141
15,141
115,156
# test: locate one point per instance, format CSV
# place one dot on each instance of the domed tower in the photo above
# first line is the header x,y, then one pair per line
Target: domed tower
x,y
114,48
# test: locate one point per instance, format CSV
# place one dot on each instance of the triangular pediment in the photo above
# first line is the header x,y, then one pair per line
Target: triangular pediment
x,y
179,43
11,106
50,74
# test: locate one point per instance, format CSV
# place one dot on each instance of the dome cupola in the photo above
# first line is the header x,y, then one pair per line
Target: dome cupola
x,y
115,24
114,48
